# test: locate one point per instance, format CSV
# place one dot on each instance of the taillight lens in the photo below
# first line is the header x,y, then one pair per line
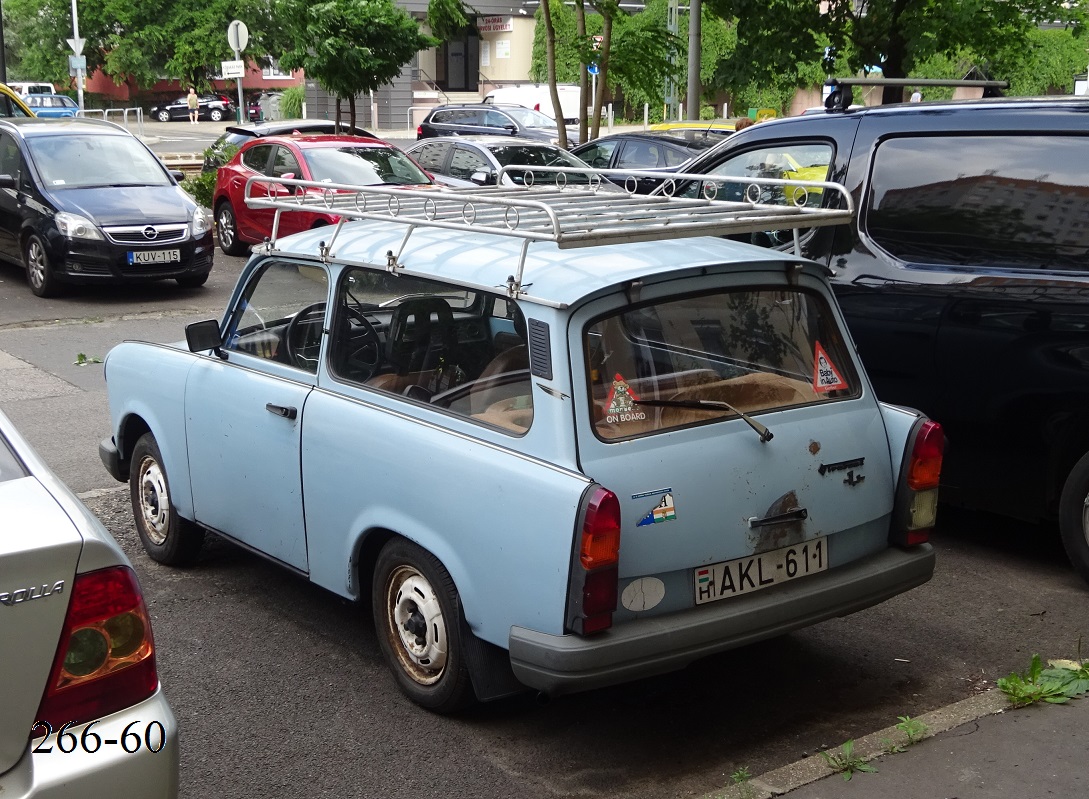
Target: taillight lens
x,y
106,657
419,131
595,578
926,457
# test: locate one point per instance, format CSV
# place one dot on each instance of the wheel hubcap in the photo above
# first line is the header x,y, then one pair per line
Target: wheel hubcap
x,y
35,259
154,501
417,628
226,228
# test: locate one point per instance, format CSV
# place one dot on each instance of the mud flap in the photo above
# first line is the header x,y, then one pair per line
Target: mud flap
x,y
489,667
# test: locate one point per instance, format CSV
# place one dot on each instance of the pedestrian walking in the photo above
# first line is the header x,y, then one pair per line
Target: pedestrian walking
x,y
194,105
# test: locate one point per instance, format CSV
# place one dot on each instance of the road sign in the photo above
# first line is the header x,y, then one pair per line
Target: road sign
x,y
77,45
238,35
76,63
232,69
592,69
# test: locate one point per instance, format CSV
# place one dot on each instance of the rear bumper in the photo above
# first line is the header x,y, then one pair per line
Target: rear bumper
x,y
110,771
560,664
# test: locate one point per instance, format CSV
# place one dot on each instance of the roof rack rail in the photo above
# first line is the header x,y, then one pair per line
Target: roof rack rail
x,y
568,214
840,97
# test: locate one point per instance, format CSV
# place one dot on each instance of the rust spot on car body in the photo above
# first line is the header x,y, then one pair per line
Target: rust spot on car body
x,y
814,447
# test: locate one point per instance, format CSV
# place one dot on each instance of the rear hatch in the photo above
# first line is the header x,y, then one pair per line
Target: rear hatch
x,y
39,550
716,504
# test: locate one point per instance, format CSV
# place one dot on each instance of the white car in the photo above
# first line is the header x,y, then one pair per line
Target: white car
x,y
83,712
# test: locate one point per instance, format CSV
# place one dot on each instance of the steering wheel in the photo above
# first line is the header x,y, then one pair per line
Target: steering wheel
x,y
361,362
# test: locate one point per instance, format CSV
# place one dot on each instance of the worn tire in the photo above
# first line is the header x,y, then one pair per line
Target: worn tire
x,y
227,230
412,588
39,269
1074,516
167,537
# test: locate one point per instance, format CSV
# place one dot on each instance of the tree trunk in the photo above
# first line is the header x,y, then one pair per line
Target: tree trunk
x,y
895,55
338,113
351,112
584,76
550,57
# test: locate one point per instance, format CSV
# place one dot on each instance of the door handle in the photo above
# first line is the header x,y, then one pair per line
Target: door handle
x,y
796,515
281,410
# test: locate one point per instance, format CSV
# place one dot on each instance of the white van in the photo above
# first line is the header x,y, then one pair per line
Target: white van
x,y
23,88
538,97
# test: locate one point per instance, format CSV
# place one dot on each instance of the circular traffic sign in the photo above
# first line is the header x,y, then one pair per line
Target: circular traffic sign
x,y
238,35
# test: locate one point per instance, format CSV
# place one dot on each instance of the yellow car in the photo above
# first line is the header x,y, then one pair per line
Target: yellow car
x,y
11,105
709,127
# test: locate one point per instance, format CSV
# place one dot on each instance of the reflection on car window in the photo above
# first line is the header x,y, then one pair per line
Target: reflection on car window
x,y
9,108
464,163
756,350
598,154
952,206
281,315
363,166
431,155
529,118
434,343
83,160
537,155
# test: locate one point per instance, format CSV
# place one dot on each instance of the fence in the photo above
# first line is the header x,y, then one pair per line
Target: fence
x,y
124,112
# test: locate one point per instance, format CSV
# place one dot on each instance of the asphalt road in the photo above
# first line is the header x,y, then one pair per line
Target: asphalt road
x,y
281,691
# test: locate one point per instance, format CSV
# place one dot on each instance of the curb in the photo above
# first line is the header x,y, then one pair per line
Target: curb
x,y
813,768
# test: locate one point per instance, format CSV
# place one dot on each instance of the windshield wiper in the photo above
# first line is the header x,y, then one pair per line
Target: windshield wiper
x,y
715,405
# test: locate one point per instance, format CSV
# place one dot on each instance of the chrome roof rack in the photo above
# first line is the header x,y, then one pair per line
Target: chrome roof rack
x,y
569,214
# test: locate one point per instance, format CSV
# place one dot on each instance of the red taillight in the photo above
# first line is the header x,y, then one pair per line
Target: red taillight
x,y
537,107
105,660
594,583
925,467
419,131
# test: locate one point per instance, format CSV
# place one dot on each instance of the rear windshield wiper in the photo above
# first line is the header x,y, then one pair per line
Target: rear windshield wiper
x,y
715,405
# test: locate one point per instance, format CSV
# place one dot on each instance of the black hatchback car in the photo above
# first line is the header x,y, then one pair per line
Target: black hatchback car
x,y
491,119
639,151
964,280
85,201
214,107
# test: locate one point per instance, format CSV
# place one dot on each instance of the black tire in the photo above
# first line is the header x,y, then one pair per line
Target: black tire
x,y
163,116
39,269
193,281
215,115
227,230
167,537
411,587
1074,516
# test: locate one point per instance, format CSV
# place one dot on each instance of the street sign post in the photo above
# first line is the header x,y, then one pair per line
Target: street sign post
x,y
238,36
76,43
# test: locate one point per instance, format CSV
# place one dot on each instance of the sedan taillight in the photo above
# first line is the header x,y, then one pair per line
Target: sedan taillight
x,y
105,660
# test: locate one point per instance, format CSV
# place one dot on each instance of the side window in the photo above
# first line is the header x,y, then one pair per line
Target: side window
x,y
443,117
432,155
495,119
281,315
639,155
675,157
465,162
467,116
256,158
11,160
1007,202
599,154
435,344
285,163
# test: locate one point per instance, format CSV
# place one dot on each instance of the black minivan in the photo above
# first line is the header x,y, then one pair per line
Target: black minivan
x,y
85,201
964,280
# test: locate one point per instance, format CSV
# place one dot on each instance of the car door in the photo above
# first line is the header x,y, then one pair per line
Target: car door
x,y
467,161
244,414
431,156
251,221
11,200
285,164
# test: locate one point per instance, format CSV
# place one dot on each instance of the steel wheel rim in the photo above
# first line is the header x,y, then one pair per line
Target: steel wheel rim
x,y
226,228
415,625
35,259
154,501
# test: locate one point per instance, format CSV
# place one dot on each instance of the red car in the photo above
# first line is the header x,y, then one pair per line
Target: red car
x,y
329,159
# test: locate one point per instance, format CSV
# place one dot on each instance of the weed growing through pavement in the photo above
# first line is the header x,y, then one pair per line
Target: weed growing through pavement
x,y
740,779
82,359
845,760
1061,681
913,729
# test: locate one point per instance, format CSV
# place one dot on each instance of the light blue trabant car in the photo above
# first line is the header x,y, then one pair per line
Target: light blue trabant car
x,y
556,439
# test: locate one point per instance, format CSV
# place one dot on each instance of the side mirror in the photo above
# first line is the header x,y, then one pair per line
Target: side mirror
x,y
204,335
512,128
483,178
7,182
177,174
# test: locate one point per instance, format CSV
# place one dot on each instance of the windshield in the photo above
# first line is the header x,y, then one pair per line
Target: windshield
x,y
364,166
529,118
81,160
538,155
684,361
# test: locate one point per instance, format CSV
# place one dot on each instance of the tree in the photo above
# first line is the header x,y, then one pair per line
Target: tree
x,y
349,46
775,36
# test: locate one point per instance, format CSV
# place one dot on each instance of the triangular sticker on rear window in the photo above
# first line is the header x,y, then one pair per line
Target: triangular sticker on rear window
x,y
826,376
620,404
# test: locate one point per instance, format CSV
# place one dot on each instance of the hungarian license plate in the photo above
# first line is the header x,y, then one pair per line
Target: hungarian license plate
x,y
745,575
154,256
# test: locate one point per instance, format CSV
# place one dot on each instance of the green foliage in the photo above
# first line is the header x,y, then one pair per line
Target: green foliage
x,y
291,102
349,46
201,187
846,761
913,729
447,18
1056,684
82,359
742,781
776,37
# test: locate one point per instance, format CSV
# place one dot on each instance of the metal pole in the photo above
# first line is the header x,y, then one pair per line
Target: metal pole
x,y
79,70
694,38
242,115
